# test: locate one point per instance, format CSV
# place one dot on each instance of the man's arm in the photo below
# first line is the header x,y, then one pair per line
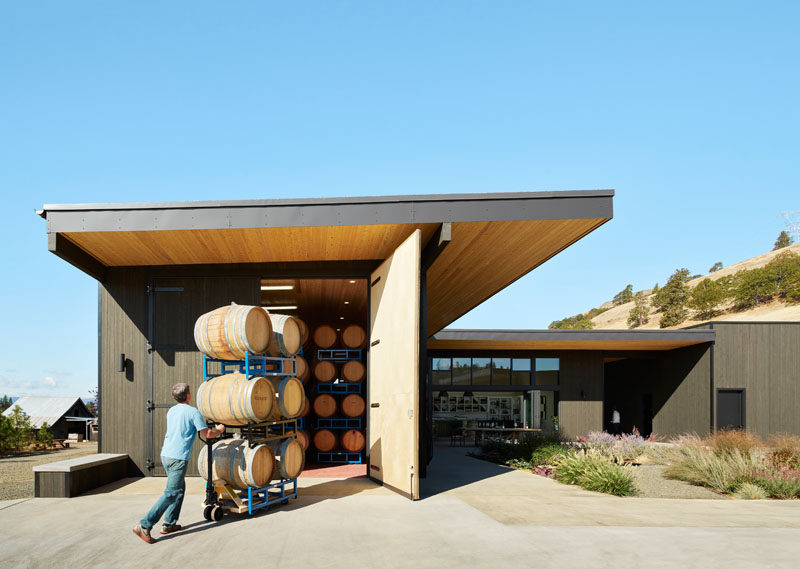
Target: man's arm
x,y
212,433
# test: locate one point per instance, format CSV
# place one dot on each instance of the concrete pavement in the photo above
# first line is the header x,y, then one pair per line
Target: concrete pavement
x,y
475,514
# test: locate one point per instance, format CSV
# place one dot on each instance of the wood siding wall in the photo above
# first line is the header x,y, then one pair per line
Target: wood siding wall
x,y
581,393
763,359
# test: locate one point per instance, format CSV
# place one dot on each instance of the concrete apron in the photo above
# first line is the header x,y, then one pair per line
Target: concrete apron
x,y
474,515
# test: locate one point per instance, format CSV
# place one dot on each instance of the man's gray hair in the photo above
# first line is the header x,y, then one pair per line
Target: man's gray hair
x,y
180,391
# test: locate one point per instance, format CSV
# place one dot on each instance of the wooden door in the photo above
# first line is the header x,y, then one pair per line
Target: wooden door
x,y
175,305
393,378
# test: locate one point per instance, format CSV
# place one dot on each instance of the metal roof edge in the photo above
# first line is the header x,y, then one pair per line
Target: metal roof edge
x,y
326,201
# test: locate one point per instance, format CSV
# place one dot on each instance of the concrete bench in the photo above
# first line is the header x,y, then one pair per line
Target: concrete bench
x,y
69,478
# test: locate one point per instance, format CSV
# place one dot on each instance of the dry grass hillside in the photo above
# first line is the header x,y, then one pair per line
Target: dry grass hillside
x,y
616,317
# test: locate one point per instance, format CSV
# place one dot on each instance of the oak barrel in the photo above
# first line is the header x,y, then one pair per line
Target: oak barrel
x,y
354,371
353,405
302,369
303,438
324,440
306,408
285,335
324,406
289,397
325,336
304,333
232,399
229,332
354,337
290,458
238,464
353,441
325,371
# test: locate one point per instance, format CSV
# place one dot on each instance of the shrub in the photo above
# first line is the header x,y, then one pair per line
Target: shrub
x,y
693,462
784,452
781,484
44,438
727,441
546,455
706,296
623,296
630,446
753,287
750,491
591,470
520,453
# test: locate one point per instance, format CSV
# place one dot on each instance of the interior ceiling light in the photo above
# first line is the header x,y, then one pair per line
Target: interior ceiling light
x,y
347,302
352,282
341,317
279,307
277,287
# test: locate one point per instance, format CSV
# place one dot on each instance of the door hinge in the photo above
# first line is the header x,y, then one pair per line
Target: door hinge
x,y
149,464
149,405
148,288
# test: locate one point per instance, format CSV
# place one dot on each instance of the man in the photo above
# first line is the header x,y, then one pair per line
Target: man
x,y
616,422
183,422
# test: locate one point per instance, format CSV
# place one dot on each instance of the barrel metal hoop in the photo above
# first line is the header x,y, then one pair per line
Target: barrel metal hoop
x,y
243,330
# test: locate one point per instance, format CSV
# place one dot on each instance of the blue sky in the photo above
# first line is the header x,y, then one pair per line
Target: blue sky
x,y
688,110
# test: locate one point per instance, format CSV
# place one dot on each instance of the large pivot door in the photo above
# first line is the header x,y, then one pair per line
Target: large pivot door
x,y
393,427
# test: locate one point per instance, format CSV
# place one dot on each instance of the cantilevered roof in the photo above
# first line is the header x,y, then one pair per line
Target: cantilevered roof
x,y
494,238
622,340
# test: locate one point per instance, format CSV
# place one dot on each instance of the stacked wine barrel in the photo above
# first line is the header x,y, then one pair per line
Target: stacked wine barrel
x,y
335,405
229,333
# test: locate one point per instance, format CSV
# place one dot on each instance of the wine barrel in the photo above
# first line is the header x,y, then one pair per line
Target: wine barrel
x,y
325,336
324,440
303,330
353,441
354,371
353,405
303,438
306,408
285,336
237,464
229,332
324,406
290,458
232,399
302,369
289,397
325,371
354,337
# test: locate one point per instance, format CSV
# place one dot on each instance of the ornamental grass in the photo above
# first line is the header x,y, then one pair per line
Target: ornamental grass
x,y
592,470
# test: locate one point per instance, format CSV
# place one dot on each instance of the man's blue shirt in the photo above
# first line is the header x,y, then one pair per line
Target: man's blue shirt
x,y
183,422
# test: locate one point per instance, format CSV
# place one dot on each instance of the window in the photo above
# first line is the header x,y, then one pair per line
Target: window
x,y
461,371
547,370
481,371
501,371
521,371
441,371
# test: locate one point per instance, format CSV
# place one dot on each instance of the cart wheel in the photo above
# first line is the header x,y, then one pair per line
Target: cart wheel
x,y
217,513
207,512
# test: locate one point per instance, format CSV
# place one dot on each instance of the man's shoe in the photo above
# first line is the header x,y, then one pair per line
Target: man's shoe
x,y
165,529
144,534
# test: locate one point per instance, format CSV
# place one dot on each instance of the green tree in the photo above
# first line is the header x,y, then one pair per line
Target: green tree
x,y
577,322
706,297
639,314
44,437
671,299
7,434
5,403
753,287
783,240
655,289
715,267
21,428
623,296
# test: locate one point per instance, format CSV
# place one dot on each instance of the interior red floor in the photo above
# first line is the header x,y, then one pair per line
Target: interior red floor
x,y
334,471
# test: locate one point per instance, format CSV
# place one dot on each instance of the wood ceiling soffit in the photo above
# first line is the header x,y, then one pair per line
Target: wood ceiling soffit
x,y
485,257
260,245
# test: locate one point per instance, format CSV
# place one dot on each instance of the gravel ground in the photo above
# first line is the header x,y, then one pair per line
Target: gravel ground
x,y
651,483
16,472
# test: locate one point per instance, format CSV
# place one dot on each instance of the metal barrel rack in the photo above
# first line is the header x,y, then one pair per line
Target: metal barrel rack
x,y
220,497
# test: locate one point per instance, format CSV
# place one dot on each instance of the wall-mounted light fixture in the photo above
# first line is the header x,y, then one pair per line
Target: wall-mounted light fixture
x,y
122,363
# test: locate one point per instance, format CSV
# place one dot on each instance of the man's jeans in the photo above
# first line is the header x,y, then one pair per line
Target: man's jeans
x,y
169,504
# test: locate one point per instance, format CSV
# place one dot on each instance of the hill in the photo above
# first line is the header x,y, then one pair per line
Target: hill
x,y
615,317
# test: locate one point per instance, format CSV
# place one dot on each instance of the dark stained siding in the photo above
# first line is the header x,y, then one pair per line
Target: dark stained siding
x,y
581,393
681,395
123,308
764,359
